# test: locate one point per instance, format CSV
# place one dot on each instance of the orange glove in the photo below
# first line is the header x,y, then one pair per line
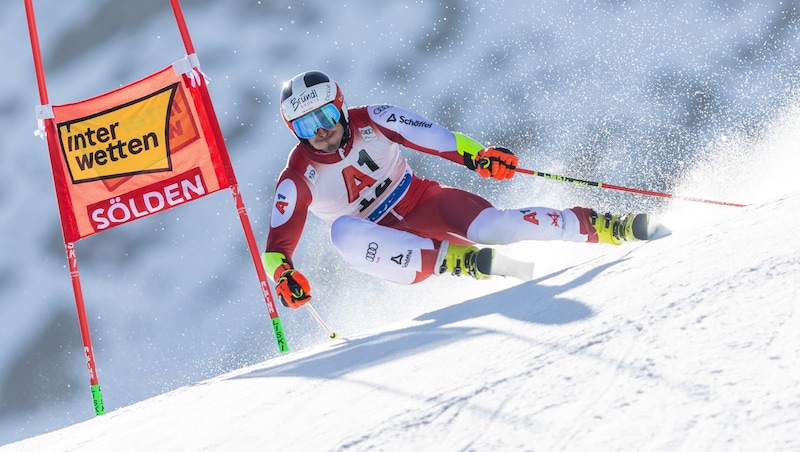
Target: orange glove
x,y
292,287
496,162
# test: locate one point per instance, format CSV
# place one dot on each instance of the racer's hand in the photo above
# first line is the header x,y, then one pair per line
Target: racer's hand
x,y
497,162
293,288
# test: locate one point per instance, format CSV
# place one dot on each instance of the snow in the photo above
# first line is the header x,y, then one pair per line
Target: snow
x,y
685,343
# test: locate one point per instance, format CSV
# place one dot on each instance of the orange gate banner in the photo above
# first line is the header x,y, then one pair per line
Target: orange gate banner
x,y
135,151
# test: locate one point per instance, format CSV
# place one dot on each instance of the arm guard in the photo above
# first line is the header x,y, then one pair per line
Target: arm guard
x,y
274,262
468,148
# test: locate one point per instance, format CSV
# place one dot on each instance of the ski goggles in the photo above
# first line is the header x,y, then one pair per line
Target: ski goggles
x,y
326,117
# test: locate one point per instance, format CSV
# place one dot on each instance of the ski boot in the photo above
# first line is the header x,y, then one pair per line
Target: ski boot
x,y
480,263
612,229
465,259
618,229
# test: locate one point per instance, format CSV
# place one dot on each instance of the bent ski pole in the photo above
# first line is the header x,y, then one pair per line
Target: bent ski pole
x,y
627,189
331,334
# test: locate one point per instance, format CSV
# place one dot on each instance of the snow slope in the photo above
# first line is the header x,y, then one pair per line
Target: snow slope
x,y
690,342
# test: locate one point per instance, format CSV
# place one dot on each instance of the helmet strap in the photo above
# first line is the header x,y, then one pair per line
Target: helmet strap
x,y
346,134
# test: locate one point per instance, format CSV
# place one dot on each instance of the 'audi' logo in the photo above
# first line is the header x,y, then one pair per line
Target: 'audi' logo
x,y
372,251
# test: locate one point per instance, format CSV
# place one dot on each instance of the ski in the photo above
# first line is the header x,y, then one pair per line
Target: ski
x,y
490,262
646,227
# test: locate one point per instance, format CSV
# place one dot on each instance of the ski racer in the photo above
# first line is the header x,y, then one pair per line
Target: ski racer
x,y
385,221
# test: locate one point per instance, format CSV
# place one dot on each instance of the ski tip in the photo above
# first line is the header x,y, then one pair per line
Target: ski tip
x,y
505,266
656,230
647,227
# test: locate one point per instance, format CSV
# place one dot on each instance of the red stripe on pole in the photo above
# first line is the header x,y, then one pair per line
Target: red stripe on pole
x,y
625,189
37,55
187,40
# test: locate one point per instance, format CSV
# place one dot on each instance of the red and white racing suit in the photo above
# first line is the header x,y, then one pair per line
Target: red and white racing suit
x,y
385,221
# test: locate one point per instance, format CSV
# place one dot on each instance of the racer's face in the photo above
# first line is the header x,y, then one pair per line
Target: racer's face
x,y
327,140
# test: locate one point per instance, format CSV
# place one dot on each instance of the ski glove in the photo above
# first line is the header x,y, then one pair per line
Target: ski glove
x,y
496,162
292,287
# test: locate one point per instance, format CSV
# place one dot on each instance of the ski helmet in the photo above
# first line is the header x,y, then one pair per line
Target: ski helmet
x,y
304,104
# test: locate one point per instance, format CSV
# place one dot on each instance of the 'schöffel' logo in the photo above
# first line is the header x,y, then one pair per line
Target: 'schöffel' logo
x,y
409,121
403,260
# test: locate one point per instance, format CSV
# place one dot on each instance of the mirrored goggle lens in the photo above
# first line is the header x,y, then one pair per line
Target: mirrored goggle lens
x,y
326,117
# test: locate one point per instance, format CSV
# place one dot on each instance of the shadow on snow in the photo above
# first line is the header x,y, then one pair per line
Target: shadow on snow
x,y
529,302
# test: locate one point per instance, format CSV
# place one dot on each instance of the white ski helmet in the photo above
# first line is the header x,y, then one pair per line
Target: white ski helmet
x,y
309,92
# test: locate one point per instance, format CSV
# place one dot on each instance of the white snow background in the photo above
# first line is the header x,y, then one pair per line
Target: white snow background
x,y
691,342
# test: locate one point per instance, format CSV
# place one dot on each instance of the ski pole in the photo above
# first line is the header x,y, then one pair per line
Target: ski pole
x,y
620,188
331,334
